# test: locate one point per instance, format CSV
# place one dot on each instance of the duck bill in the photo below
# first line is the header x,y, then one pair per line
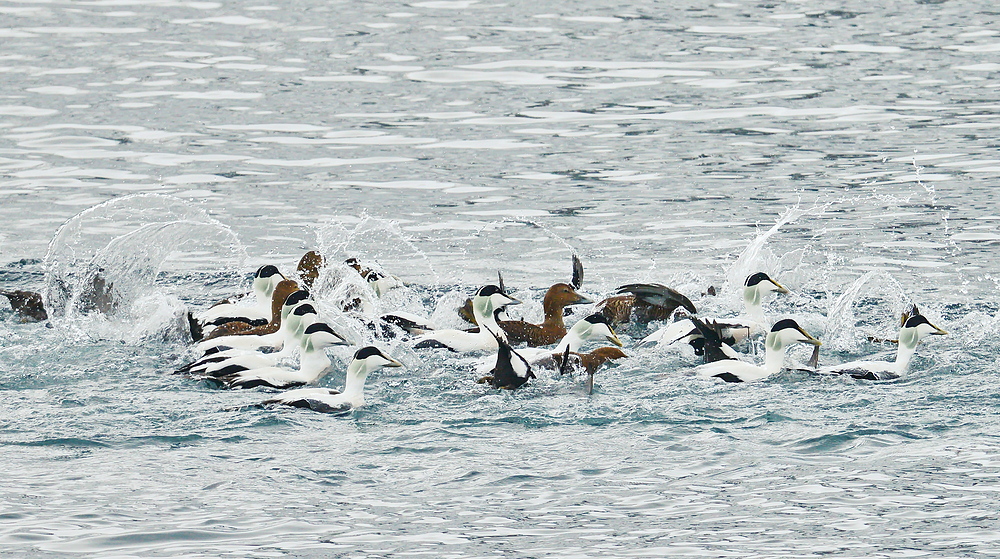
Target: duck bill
x,y
581,300
778,288
513,301
810,340
392,363
614,339
938,332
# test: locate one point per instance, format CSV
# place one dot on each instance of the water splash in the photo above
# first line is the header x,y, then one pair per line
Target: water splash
x,y
107,259
758,257
879,300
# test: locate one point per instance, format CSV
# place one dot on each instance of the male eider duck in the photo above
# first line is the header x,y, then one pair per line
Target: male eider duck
x,y
488,300
301,317
592,328
915,328
575,283
784,333
313,364
223,335
366,360
643,302
265,280
511,370
733,330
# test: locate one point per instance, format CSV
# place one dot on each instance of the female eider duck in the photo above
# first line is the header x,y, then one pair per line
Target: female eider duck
x,y
488,300
589,362
366,360
553,298
734,330
783,334
265,280
27,305
553,326
642,303
257,336
915,328
313,364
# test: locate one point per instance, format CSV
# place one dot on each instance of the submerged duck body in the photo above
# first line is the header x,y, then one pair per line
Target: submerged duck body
x,y
366,360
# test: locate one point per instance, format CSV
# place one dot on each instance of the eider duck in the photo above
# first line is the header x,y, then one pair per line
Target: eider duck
x,y
265,280
366,360
784,333
642,303
308,268
915,328
488,300
589,362
553,327
511,370
754,323
293,328
313,364
592,328
268,335
27,305
576,282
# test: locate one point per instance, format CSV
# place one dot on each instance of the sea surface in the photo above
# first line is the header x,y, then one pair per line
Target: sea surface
x,y
850,149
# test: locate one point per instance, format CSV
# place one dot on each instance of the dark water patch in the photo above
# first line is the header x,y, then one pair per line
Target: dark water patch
x,y
849,439
67,442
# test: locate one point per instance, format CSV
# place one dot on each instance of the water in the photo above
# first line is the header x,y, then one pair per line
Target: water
x,y
848,149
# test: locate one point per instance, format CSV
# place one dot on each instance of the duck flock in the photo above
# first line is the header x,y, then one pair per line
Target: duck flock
x,y
274,338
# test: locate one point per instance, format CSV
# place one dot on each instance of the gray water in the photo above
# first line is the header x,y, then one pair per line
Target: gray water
x,y
849,149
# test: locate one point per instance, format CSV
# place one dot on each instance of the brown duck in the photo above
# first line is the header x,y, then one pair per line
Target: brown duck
x,y
281,292
309,267
27,305
643,302
553,328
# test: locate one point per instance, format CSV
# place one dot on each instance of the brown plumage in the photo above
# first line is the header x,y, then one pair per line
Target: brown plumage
x,y
309,267
27,305
281,292
553,328
643,302
590,361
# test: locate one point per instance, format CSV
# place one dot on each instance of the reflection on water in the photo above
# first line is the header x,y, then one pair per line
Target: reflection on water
x,y
850,150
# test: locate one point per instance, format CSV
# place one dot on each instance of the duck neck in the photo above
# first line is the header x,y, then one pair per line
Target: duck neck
x,y
752,300
572,340
354,385
488,323
553,309
313,364
907,347
774,354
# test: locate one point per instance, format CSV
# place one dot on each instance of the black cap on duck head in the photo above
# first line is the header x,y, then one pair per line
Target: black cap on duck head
x,y
916,320
320,327
304,309
755,279
598,318
296,297
487,290
367,352
785,323
267,271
